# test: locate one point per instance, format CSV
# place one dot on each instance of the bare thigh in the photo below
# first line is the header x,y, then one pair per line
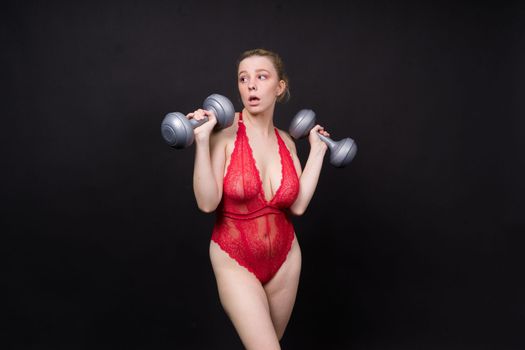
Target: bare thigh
x,y
244,300
281,290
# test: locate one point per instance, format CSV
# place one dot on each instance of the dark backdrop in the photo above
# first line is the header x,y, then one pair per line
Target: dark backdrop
x,y
417,244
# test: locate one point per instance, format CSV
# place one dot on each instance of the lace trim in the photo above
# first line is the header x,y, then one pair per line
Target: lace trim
x,y
278,265
235,147
258,177
225,249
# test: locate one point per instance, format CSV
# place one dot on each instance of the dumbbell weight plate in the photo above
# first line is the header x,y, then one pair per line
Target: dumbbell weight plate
x,y
182,124
223,109
302,123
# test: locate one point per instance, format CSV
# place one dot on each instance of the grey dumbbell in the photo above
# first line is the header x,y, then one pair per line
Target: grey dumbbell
x,y
177,130
341,152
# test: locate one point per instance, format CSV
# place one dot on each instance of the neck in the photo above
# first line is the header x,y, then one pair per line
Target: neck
x,y
262,122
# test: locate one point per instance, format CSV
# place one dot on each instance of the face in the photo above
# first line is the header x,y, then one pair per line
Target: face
x,y
259,84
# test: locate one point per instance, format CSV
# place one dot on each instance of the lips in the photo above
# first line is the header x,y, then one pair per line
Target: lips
x,y
253,100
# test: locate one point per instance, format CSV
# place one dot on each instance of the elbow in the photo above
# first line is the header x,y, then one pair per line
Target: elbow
x,y
297,211
208,209
208,206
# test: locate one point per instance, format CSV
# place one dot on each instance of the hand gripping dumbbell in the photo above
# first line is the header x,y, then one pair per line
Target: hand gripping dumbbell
x,y
177,130
341,152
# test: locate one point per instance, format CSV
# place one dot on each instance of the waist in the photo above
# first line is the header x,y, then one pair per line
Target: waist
x,y
254,214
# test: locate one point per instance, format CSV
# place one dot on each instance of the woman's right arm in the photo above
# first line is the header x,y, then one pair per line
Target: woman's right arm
x,y
210,155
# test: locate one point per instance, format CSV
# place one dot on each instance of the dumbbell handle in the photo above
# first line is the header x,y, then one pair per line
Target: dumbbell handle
x,y
342,151
196,123
178,130
327,140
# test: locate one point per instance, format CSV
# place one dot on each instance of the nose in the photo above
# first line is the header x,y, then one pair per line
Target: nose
x,y
252,86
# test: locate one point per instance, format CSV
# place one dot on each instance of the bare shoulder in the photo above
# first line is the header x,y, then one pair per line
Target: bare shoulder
x,y
225,136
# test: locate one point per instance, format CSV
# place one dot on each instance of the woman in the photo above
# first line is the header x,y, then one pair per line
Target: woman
x,y
251,175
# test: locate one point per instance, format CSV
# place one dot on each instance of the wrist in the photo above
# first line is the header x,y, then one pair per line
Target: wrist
x,y
319,148
202,139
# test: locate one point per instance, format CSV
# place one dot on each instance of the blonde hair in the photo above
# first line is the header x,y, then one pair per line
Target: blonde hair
x,y
277,63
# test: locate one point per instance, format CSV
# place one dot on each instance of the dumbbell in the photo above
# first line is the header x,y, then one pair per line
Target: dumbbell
x,y
177,129
341,152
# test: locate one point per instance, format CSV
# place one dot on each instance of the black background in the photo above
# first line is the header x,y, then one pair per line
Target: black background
x,y
417,244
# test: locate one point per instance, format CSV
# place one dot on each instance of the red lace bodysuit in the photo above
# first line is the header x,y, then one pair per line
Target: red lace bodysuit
x,y
256,233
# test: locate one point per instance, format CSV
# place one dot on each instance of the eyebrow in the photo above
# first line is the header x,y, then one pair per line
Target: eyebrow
x,y
257,70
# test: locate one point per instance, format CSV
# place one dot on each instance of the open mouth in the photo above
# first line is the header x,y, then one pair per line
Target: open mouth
x,y
253,99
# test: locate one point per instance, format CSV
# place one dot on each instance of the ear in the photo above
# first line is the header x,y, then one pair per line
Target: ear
x,y
281,87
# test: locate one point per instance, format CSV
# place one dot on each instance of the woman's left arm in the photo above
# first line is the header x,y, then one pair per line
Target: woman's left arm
x,y
310,175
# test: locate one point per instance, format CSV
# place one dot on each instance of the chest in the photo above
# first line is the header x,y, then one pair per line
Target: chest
x,y
263,157
267,159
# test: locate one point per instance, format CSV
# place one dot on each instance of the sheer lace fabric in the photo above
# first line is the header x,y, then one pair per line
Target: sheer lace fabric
x,y
255,232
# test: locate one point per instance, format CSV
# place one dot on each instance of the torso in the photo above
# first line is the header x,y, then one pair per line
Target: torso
x,y
256,232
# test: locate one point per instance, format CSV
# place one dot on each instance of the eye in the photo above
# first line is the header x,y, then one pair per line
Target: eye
x,y
262,77
243,79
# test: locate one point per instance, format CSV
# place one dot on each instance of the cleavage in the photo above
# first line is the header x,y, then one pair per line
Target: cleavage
x,y
266,163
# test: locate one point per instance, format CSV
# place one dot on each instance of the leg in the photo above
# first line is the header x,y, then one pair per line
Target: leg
x,y
244,301
282,289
